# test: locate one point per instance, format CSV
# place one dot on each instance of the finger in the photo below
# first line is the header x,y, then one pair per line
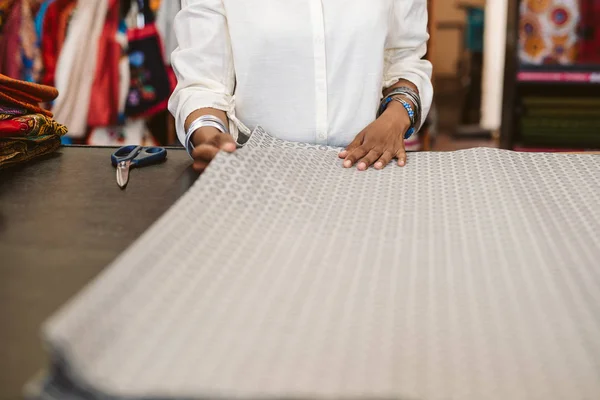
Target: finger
x,y
401,156
358,141
225,142
200,166
369,159
384,160
205,152
354,156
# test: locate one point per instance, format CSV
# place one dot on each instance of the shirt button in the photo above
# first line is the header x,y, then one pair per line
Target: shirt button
x,y
322,135
320,41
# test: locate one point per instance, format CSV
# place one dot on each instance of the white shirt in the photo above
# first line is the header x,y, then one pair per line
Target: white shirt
x,y
305,70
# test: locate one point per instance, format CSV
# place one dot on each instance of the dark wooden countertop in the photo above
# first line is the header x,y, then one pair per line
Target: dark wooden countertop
x,y
62,220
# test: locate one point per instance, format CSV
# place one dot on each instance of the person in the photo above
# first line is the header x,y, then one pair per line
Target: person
x,y
333,72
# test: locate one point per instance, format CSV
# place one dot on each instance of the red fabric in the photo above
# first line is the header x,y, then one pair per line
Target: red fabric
x,y
12,128
589,51
104,103
55,27
10,46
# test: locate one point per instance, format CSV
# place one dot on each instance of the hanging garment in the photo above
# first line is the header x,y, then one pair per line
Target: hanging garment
x,y
10,60
31,58
5,8
151,80
548,32
54,31
589,51
76,67
104,101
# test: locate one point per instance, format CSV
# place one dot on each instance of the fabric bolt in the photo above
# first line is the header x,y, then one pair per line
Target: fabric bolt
x,y
307,70
76,67
281,275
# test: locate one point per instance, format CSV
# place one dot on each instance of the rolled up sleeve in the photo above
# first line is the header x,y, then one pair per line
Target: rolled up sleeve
x,y
202,62
406,47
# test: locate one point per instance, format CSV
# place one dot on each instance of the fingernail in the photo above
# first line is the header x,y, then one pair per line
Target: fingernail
x,y
402,163
347,163
362,166
378,165
229,147
343,153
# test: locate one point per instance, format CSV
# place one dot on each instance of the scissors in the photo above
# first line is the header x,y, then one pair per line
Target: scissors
x,y
128,157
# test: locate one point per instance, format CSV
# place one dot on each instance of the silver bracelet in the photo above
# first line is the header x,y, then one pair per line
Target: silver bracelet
x,y
201,122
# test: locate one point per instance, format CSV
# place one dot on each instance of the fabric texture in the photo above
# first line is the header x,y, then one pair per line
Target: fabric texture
x,y
306,70
281,275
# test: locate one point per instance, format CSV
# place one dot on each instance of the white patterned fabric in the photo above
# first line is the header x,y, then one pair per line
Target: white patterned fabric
x,y
281,275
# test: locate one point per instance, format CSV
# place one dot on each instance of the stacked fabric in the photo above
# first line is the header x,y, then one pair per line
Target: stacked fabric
x,y
561,121
27,131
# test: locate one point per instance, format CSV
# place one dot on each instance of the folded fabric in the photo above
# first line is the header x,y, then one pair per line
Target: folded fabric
x,y
26,95
29,125
24,137
7,112
20,150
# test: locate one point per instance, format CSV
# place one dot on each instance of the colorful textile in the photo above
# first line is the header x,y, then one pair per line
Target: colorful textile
x,y
151,80
7,112
548,31
25,137
29,125
31,57
20,150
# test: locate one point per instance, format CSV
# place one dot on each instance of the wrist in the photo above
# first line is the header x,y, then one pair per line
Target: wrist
x,y
398,116
208,131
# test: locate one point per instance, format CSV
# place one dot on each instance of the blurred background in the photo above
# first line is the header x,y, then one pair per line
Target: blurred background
x,y
516,74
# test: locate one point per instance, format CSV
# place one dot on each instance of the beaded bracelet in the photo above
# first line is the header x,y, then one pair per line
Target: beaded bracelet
x,y
411,113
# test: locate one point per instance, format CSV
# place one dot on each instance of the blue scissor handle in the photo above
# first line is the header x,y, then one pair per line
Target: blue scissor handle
x,y
149,156
138,155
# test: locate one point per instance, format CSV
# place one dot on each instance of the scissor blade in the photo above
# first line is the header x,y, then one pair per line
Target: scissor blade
x,y
123,173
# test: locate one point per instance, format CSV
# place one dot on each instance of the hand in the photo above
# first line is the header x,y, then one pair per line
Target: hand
x,y
208,142
380,142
